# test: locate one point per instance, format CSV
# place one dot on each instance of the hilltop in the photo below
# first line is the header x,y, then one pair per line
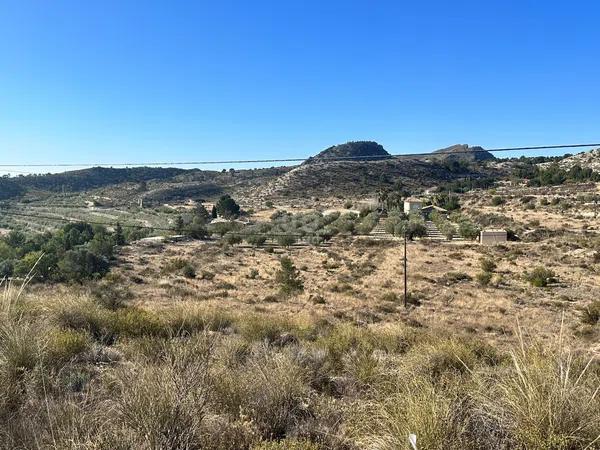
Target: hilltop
x,y
362,178
355,150
463,151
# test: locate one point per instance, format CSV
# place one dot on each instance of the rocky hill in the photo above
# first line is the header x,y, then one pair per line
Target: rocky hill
x,y
352,151
367,169
586,160
365,178
463,151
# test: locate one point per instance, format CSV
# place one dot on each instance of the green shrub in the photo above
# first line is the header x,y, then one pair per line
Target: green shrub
x,y
591,313
288,277
232,238
488,265
64,345
540,277
497,200
111,295
227,207
188,271
286,240
389,297
270,388
467,229
79,264
256,240
484,278
174,265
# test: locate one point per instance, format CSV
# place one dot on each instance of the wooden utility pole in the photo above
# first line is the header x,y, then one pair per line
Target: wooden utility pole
x,y
405,275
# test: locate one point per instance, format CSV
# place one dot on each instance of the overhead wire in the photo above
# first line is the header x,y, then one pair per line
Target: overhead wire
x,y
312,159
363,158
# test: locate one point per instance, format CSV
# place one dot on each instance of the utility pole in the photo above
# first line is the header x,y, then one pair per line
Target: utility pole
x,y
405,275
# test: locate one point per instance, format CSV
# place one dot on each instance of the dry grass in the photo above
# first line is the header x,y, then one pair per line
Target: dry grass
x,y
203,378
223,361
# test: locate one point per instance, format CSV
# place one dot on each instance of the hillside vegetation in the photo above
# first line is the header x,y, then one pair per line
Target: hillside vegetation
x,y
275,318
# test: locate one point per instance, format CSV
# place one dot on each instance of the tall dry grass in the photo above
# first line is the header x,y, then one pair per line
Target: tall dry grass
x,y
76,374
549,399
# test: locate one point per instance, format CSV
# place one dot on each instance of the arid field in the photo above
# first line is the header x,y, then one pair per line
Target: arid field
x,y
203,344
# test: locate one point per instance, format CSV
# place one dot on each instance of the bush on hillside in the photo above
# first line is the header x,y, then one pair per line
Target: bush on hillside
x,y
540,277
288,277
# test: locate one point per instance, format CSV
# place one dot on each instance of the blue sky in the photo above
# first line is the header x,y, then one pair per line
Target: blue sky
x,y
125,81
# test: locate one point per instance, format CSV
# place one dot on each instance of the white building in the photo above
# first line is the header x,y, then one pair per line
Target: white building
x,y
412,205
491,237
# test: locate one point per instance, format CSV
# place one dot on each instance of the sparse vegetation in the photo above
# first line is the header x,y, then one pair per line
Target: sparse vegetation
x,y
540,276
193,344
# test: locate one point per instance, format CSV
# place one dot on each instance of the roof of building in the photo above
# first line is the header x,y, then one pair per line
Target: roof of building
x,y
413,199
437,208
494,230
223,220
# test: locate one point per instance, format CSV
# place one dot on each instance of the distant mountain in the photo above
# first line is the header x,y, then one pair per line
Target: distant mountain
x,y
463,151
352,151
9,189
94,177
353,168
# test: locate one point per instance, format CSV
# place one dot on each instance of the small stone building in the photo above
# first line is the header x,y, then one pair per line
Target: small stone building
x,y
412,205
491,237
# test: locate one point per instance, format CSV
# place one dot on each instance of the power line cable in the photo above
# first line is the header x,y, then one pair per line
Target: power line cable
x,y
324,160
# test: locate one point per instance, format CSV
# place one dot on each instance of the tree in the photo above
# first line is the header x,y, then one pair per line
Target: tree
x,y
447,201
197,229
179,224
232,238
213,212
119,236
289,277
201,214
102,245
15,239
79,264
227,207
6,251
415,228
256,239
468,229
43,264
286,240
7,267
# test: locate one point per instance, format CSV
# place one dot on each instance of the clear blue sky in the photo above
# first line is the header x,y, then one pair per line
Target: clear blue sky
x,y
127,81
